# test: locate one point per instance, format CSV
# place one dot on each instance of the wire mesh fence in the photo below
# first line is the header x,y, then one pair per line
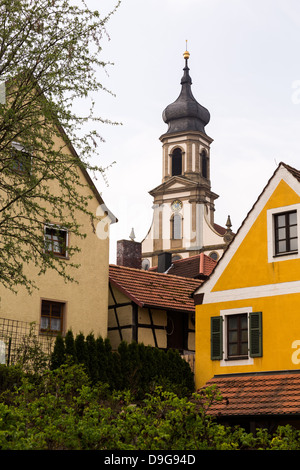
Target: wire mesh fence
x,y
15,336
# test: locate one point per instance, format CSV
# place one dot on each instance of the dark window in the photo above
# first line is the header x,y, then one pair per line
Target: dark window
x,y
176,162
177,331
52,316
237,336
286,232
56,241
214,255
204,163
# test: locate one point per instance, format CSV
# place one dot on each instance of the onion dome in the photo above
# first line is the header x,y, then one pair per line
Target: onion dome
x,y
186,114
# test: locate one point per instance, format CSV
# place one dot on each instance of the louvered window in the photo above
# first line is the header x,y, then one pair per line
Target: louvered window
x,y
255,336
216,338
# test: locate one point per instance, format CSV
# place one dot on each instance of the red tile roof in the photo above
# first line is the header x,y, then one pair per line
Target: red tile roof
x,y
193,266
275,393
157,290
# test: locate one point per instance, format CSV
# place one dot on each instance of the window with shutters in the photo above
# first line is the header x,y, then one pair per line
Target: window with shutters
x,y
236,336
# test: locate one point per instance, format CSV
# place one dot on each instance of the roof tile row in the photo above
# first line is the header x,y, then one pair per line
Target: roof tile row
x,y
257,394
147,288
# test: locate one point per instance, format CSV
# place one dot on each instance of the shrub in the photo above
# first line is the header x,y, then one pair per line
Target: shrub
x,y
133,366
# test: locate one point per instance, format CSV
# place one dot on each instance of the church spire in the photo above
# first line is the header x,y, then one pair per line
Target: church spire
x,y
186,114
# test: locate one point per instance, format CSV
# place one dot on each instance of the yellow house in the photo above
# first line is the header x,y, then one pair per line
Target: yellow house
x,y
57,306
247,312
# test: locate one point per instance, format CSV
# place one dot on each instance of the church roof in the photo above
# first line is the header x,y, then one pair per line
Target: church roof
x,y
186,114
150,289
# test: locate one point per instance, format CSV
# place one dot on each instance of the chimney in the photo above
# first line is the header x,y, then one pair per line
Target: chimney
x,y
164,262
129,254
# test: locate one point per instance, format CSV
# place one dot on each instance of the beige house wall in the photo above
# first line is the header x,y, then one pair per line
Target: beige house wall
x,y
85,301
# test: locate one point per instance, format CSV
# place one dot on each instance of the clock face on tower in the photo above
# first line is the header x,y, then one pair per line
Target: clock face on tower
x,y
176,205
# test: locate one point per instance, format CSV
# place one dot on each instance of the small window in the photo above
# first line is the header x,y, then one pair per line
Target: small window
x,y
52,316
286,233
237,336
214,255
176,222
56,240
176,162
21,159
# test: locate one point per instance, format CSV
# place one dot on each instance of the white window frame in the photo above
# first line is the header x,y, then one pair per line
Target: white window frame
x,y
60,229
272,257
20,148
225,362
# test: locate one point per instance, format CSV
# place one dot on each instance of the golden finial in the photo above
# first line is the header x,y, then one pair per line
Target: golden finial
x,y
186,55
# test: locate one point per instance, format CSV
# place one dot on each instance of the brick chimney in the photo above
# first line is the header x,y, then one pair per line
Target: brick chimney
x,y
164,262
129,254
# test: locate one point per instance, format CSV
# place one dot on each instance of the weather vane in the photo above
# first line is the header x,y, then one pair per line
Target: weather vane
x,y
186,55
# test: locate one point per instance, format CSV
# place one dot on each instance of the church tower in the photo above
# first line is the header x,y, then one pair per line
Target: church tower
x,y
183,218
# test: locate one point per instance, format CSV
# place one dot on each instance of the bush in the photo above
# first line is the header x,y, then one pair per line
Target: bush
x,y
133,366
65,411
10,377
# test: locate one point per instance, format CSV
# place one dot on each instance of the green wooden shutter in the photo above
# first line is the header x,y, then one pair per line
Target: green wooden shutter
x,y
255,334
216,327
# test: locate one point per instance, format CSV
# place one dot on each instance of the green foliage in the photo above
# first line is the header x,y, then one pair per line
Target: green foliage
x,y
65,411
58,355
70,350
133,366
10,377
31,354
51,60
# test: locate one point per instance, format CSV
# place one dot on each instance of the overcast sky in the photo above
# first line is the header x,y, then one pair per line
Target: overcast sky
x,y
245,67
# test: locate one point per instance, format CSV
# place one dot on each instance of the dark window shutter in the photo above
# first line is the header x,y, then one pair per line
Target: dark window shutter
x,y
255,326
216,338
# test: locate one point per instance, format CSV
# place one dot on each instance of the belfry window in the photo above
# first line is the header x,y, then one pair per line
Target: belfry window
x,y
203,158
176,162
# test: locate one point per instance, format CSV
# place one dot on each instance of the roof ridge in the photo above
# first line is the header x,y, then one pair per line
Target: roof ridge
x,y
154,273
